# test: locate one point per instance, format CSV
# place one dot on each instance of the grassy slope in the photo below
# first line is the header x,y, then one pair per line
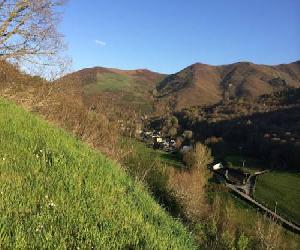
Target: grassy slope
x,y
131,92
172,160
56,192
245,215
283,188
109,82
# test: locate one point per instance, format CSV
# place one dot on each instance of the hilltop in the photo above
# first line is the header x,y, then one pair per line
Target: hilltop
x,y
123,89
130,93
202,84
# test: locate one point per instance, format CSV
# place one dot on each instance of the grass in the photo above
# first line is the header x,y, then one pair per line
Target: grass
x,y
244,216
153,168
273,189
130,92
171,160
109,82
56,192
138,101
251,165
280,190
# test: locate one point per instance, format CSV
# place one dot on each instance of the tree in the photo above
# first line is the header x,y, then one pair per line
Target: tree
x,y
29,36
172,132
188,134
174,121
199,157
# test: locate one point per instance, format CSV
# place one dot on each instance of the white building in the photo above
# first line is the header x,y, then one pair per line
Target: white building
x,y
217,166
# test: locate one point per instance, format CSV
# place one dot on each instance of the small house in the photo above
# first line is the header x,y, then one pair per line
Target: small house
x,y
217,166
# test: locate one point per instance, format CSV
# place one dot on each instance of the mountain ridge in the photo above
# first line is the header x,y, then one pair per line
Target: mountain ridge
x,y
203,84
145,91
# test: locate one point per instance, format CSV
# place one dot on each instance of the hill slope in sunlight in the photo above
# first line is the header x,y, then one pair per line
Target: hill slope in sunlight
x,y
124,89
58,193
201,84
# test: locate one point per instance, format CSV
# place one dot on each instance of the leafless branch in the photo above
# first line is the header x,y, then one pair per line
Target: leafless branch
x,y
28,32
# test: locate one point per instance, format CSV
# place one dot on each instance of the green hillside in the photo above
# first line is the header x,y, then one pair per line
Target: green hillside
x,y
109,82
55,192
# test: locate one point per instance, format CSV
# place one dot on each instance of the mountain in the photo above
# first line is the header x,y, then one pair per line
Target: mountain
x,y
202,84
130,92
125,89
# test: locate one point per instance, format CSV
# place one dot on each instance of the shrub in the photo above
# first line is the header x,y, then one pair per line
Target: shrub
x,y
242,242
174,121
199,157
268,233
172,131
188,134
189,190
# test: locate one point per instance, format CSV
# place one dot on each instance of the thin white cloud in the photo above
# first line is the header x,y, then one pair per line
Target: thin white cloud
x,y
101,43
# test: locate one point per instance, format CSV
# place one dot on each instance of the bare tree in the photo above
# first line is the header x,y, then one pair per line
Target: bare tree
x,y
199,157
29,36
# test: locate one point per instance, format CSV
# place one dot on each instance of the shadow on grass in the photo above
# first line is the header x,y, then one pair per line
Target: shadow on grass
x,y
173,159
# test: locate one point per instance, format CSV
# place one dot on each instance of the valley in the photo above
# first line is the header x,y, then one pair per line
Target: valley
x,y
150,125
120,113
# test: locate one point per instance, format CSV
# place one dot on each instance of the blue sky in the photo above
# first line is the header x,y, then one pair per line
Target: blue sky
x,y
168,35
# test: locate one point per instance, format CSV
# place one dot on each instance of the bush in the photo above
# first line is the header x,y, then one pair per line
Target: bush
x,y
172,131
242,242
268,233
174,121
199,157
189,190
188,134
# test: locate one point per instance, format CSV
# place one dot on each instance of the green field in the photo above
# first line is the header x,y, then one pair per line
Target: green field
x,y
273,189
280,190
138,101
56,192
109,82
130,92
